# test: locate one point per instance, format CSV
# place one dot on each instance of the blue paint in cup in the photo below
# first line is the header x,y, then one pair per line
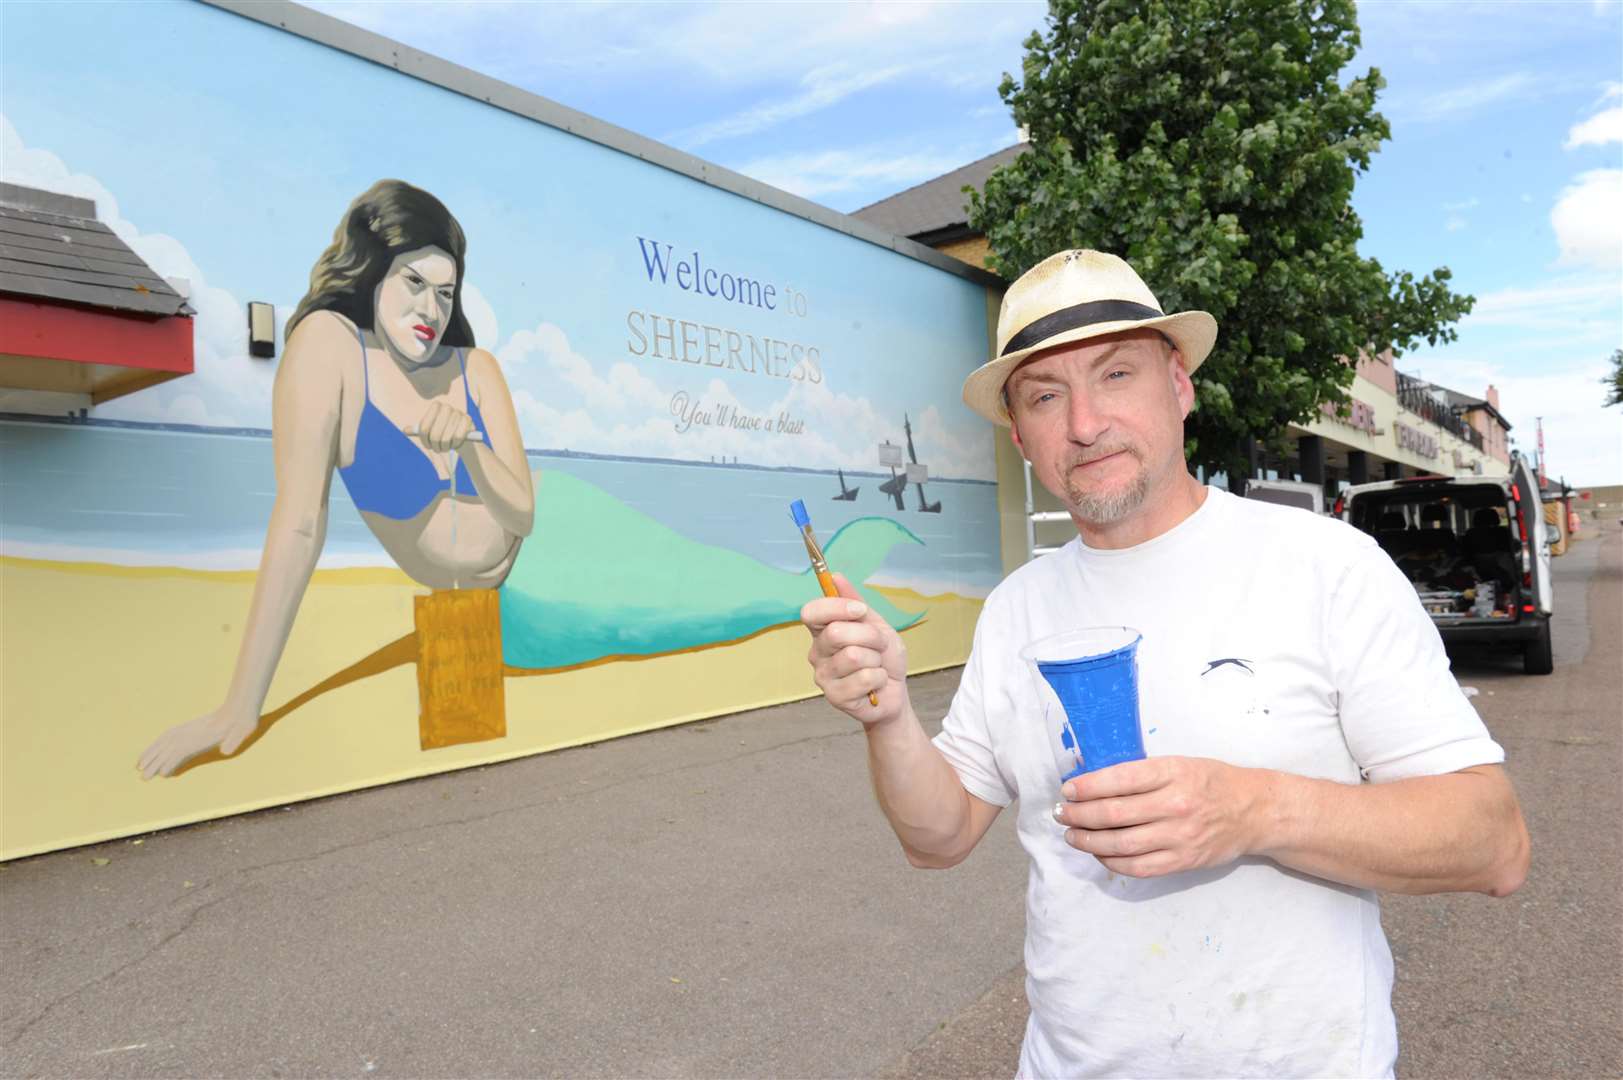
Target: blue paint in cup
x,y
1093,676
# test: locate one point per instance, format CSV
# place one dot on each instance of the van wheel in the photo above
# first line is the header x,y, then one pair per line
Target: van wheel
x,y
1537,657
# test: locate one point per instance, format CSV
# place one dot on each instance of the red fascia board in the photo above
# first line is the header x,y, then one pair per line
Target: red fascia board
x,y
89,336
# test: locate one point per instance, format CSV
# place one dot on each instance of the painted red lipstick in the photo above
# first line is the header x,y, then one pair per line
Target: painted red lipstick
x,y
427,333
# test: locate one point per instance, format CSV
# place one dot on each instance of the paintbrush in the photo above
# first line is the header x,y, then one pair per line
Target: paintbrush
x,y
797,510
473,436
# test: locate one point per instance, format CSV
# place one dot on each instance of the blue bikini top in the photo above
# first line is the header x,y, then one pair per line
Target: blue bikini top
x,y
391,475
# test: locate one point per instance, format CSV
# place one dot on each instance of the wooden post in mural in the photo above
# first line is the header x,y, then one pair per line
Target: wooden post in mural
x,y
460,689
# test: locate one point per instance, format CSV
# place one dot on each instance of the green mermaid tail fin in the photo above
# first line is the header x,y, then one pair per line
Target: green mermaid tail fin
x,y
598,578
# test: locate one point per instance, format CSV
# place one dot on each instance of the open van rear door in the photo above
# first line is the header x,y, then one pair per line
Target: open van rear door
x,y
1537,550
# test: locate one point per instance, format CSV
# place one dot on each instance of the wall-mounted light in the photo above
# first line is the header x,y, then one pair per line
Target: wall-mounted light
x,y
261,330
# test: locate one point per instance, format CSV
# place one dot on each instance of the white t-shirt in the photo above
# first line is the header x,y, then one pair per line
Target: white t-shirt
x,y
1247,969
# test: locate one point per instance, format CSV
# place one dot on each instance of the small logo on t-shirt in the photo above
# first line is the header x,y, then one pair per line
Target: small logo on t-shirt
x,y
1213,665
1237,693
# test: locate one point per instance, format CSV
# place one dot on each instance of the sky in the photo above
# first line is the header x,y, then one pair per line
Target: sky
x,y
1505,164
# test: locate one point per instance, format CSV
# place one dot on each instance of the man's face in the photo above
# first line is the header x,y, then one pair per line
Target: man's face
x,y
1101,421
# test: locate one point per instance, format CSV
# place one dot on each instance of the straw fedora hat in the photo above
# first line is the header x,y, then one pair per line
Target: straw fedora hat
x,y
1073,296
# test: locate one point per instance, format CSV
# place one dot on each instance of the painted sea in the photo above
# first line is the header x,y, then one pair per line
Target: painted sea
x,y
198,498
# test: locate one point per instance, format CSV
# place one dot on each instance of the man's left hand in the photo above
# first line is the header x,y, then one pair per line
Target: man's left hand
x,y
1163,815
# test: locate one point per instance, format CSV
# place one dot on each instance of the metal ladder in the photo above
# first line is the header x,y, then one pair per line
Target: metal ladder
x,y
1035,517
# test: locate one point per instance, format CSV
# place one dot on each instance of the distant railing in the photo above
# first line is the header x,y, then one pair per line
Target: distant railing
x,y
1415,395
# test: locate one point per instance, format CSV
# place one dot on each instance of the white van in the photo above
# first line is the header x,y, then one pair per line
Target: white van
x,y
1297,493
1476,549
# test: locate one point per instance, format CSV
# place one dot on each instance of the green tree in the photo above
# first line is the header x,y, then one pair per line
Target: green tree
x,y
1212,145
1614,381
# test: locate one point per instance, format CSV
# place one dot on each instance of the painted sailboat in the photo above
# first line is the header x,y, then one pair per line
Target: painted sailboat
x,y
905,470
890,456
917,474
847,494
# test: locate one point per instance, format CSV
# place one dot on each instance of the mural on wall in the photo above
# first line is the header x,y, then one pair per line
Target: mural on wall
x,y
382,382
517,480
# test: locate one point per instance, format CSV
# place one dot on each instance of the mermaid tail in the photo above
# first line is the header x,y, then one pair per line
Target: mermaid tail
x,y
598,578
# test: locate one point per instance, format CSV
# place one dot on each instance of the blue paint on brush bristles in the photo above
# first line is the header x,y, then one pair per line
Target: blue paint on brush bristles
x,y
797,510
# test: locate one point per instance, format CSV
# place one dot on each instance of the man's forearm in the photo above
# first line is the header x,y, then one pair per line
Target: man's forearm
x,y
920,793
1456,832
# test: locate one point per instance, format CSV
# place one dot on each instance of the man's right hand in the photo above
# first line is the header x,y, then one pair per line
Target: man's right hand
x,y
855,653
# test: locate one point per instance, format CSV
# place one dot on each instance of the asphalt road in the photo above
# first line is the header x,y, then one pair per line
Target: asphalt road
x,y
718,899
723,899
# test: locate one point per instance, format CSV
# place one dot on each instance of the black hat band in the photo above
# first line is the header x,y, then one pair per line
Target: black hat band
x,y
1094,311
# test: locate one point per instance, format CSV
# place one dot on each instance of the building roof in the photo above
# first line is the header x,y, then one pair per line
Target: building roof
x,y
53,248
1464,403
1456,401
936,209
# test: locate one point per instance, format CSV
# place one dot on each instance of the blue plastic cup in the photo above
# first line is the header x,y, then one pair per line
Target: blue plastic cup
x,y
1088,682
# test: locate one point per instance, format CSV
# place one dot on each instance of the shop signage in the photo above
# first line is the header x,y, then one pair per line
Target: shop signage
x,y
1416,442
1360,415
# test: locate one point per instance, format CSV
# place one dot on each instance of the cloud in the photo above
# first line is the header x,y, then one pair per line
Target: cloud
x,y
559,48
228,387
1455,223
1465,204
1473,96
1545,347
481,316
563,398
565,401
1588,220
746,77
820,89
1583,440
546,350
1590,305
831,171
1602,128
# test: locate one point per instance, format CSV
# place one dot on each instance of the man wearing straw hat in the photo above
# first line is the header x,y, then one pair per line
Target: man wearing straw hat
x,y
1210,909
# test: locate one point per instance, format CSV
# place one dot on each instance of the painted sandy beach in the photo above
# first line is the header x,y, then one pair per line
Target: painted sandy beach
x,y
680,576
94,709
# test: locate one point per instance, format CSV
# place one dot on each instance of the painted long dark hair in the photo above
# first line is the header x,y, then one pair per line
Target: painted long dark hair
x,y
386,219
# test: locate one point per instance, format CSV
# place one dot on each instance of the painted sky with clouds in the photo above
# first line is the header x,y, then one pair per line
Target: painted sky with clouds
x,y
1506,162
240,195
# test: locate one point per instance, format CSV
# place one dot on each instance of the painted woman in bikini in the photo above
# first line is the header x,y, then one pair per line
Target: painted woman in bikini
x,y
381,382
